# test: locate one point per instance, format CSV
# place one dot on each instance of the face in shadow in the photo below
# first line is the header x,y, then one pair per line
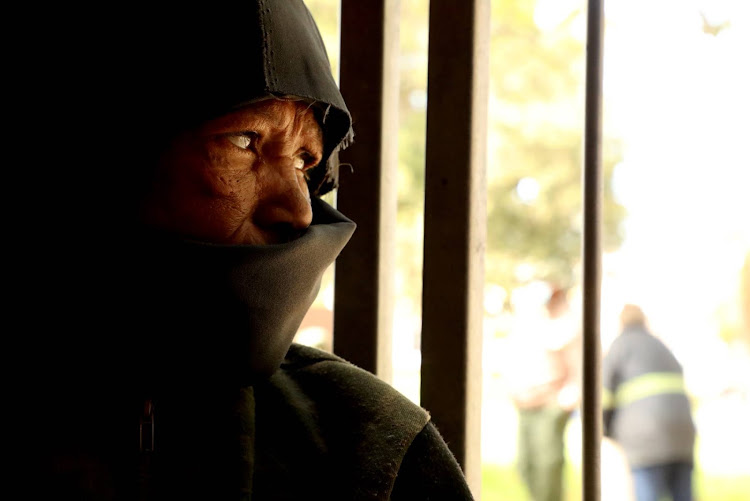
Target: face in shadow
x,y
240,178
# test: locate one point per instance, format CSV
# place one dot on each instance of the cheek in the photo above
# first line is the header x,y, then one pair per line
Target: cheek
x,y
232,192
210,196
224,179
226,184
303,184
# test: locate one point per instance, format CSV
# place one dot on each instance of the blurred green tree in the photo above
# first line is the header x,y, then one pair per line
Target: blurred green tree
x,y
535,207
535,148
536,114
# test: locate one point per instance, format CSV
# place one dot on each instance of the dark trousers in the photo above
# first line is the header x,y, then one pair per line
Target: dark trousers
x,y
673,480
541,451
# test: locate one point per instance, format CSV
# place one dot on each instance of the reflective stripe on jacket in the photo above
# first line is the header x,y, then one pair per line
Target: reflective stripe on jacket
x,y
647,385
645,404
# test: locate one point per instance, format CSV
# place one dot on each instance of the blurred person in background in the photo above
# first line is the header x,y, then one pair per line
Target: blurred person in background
x,y
544,385
647,411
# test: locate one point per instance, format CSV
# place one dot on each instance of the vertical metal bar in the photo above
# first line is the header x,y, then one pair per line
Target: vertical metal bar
x,y
455,225
363,308
592,211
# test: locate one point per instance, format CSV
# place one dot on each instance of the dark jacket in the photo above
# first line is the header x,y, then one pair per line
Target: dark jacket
x,y
646,407
319,428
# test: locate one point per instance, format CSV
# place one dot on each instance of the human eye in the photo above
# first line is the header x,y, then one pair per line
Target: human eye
x,y
304,161
245,140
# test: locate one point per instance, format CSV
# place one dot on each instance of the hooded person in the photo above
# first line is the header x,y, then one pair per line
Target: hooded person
x,y
187,243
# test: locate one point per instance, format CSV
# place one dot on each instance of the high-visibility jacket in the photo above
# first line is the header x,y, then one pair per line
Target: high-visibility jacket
x,y
646,407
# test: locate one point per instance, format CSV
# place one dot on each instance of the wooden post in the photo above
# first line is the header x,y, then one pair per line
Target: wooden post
x,y
363,304
455,225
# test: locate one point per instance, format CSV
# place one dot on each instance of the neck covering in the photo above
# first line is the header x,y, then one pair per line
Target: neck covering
x,y
211,313
154,309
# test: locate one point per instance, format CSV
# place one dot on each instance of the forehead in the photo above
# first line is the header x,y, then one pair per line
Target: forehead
x,y
294,116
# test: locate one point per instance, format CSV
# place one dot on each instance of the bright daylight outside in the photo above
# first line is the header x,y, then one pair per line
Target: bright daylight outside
x,y
676,232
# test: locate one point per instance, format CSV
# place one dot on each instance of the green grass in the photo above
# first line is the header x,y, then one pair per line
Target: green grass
x,y
499,482
721,488
502,483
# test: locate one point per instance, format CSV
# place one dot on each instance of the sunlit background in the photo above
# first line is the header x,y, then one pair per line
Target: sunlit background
x,y
676,229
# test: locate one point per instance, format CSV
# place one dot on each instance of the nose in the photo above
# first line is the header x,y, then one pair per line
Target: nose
x,y
283,211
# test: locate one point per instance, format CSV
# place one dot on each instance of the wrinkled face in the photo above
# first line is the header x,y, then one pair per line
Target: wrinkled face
x,y
239,178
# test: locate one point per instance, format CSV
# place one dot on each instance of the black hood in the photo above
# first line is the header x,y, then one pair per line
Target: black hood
x,y
104,91
192,65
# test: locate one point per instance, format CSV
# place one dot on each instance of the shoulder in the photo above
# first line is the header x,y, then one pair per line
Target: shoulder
x,y
365,423
302,361
333,381
306,362
300,355
430,471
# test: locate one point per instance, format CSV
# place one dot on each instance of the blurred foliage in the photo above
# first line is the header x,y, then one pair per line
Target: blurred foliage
x,y
327,16
537,118
535,138
733,313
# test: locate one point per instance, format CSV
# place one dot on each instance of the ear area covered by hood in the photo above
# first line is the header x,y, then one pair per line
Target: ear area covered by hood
x,y
296,63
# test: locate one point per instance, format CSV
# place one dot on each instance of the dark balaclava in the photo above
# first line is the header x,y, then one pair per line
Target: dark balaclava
x,y
163,310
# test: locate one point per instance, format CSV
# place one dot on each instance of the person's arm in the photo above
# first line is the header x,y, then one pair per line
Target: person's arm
x,y
430,471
